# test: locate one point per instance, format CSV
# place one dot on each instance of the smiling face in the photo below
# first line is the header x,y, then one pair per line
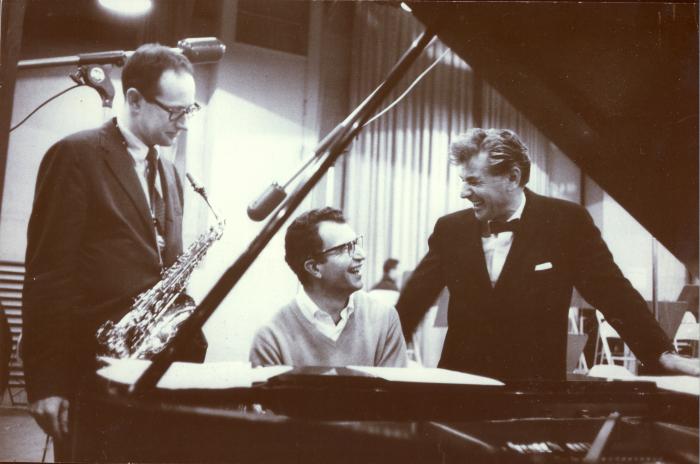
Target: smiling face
x,y
150,122
495,197
340,273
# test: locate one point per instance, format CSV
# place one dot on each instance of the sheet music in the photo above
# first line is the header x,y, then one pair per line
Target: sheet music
x,y
677,383
263,374
426,375
182,375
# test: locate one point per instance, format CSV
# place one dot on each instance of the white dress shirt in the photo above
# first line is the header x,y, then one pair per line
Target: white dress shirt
x,y
320,319
496,247
138,150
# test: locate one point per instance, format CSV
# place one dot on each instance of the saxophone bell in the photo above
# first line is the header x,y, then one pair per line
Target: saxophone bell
x,y
157,313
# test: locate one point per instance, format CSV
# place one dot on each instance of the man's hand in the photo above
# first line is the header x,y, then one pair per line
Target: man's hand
x,y
680,365
52,415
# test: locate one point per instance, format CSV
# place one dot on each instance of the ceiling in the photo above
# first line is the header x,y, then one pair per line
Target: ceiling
x,y
614,85
54,28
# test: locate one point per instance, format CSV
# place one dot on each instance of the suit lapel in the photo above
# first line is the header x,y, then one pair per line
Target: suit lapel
x,y
525,237
121,164
472,254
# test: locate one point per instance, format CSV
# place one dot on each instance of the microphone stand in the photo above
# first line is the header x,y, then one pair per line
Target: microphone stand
x,y
91,71
328,151
197,50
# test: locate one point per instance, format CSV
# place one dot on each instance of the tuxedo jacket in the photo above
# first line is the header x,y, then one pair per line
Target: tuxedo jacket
x,y
91,248
518,328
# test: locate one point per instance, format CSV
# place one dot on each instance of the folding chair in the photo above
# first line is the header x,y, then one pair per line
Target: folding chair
x,y
575,359
686,339
604,353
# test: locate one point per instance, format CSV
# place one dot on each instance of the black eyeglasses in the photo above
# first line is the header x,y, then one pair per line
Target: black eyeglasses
x,y
175,113
348,248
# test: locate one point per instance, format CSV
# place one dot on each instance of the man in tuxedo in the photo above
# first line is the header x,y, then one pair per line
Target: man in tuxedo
x,y
510,263
331,322
106,220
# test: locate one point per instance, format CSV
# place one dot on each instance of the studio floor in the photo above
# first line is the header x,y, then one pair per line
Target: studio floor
x,y
21,440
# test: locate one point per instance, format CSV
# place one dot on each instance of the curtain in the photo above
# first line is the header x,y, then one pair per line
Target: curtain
x,y
397,178
498,112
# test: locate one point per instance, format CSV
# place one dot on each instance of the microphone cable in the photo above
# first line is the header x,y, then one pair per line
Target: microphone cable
x,y
43,104
264,204
408,89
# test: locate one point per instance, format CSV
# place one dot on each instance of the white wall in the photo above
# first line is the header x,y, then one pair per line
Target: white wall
x,y
262,122
255,133
632,247
564,175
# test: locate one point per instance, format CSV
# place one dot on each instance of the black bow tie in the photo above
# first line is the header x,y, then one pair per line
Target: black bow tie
x,y
496,227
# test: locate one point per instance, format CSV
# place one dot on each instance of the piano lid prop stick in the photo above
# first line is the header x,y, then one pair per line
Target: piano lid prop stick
x,y
328,151
601,440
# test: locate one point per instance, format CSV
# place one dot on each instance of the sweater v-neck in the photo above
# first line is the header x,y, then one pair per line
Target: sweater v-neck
x,y
315,333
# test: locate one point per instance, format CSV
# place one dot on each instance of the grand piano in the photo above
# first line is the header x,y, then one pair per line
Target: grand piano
x,y
561,64
310,417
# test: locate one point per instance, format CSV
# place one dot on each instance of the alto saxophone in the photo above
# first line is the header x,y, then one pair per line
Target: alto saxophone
x,y
157,313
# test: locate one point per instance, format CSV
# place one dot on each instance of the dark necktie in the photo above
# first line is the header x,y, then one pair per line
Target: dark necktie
x,y
157,204
496,227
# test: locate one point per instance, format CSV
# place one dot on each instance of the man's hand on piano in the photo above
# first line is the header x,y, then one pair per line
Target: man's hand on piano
x,y
52,415
676,364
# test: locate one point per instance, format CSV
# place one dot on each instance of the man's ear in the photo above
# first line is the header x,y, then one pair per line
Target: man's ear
x,y
134,99
311,267
514,176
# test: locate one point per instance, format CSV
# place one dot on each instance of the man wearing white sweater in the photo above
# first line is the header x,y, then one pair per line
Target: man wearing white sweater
x,y
331,321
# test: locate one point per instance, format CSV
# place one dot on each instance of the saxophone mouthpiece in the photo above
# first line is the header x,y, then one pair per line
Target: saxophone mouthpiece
x,y
200,190
196,187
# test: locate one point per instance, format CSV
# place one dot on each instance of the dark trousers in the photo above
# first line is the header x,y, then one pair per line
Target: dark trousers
x,y
62,450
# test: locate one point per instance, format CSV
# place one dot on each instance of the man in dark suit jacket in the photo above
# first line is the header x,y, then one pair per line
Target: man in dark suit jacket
x,y
510,263
102,228
388,280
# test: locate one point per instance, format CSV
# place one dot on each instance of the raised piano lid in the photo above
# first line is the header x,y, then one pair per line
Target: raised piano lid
x,y
614,85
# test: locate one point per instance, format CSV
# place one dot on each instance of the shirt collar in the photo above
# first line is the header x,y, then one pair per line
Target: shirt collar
x,y
519,212
134,145
309,309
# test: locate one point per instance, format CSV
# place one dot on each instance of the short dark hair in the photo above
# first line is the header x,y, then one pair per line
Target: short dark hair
x,y
302,240
143,69
390,264
504,148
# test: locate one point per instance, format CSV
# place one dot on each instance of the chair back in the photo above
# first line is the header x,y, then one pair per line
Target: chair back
x,y
687,336
605,330
604,352
574,350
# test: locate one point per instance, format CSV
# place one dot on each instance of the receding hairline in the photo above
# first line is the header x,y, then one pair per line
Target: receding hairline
x,y
329,221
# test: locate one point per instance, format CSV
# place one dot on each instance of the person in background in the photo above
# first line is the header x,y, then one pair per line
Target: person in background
x,y
331,321
510,262
388,280
106,220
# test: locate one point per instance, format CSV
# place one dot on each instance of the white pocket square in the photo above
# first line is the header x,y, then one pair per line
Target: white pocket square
x,y
543,266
